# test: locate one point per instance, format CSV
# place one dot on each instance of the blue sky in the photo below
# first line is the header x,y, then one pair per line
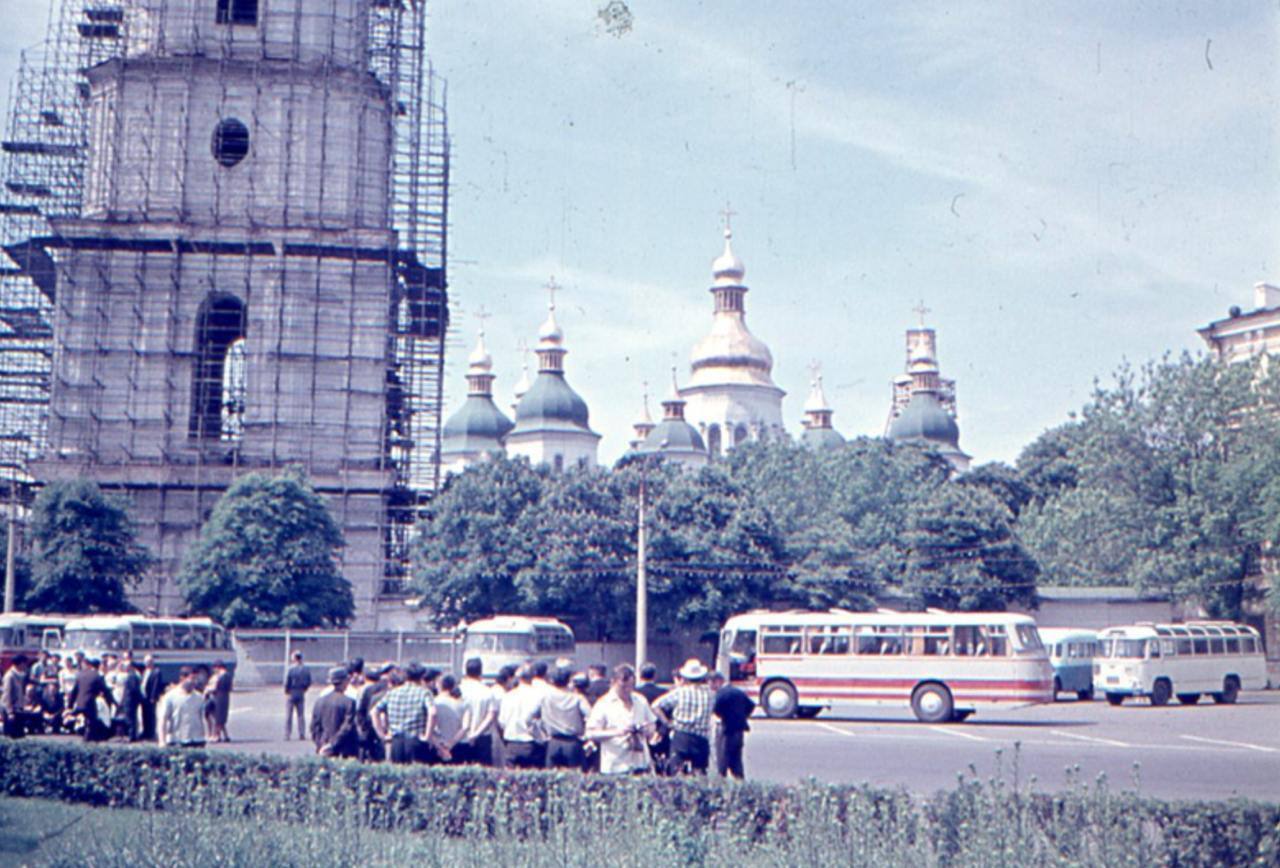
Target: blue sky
x,y
1066,185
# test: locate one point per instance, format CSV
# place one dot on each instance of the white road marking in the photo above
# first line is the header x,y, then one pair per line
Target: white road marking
x,y
241,709
1090,738
958,734
836,729
1243,744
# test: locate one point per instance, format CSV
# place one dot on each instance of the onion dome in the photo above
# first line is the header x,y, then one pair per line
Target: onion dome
x,y
550,403
730,354
674,438
925,421
478,426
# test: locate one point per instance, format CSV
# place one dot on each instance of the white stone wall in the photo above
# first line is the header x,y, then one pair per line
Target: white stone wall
x,y
757,410
573,448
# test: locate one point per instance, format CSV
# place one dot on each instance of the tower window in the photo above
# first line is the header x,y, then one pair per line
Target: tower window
x,y
713,441
230,142
238,12
220,325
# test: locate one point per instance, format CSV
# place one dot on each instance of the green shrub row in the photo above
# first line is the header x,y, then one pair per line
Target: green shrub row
x,y
987,822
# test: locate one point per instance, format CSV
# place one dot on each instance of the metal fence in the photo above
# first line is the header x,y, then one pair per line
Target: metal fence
x,y
262,656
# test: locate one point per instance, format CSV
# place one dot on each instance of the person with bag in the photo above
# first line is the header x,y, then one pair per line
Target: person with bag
x,y
622,723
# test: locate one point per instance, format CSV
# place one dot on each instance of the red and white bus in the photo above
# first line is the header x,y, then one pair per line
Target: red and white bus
x,y
21,633
941,665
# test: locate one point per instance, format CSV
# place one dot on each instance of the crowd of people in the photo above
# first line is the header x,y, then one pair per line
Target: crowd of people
x,y
100,698
534,716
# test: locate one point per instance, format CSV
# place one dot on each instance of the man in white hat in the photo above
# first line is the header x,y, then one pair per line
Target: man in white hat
x,y
686,711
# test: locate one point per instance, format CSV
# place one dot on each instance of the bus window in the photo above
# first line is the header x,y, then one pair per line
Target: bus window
x,y
782,640
1028,639
889,640
163,637
1201,644
6,637
936,640
828,640
866,642
1153,648
1168,647
1233,645
744,644
1184,645
219,639
1249,644
997,640
141,637
181,636
1129,649
1216,646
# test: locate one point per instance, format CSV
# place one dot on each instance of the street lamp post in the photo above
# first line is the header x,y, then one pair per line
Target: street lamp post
x,y
10,579
642,580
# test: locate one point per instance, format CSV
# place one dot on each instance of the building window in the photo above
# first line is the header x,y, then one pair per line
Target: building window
x,y
238,12
234,390
739,435
220,324
559,464
230,142
713,441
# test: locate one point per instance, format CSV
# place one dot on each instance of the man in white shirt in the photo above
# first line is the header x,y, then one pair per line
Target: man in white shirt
x,y
517,718
180,715
622,723
476,744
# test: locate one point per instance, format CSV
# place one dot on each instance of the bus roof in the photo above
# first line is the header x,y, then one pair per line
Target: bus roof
x,y
1066,634
115,622
8,619
1184,628
884,617
514,623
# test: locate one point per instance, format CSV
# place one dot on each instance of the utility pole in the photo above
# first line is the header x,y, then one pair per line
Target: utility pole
x,y
10,580
642,577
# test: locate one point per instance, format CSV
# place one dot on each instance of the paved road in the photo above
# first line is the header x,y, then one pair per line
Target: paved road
x,y
1203,751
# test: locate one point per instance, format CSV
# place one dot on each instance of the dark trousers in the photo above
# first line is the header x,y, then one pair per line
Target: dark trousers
x,y
564,752
94,728
148,720
478,752
689,752
526,755
409,749
295,705
13,727
371,749
729,762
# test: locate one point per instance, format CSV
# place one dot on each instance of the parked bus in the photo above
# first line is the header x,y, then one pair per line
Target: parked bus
x,y
174,642
515,640
942,665
1071,652
1161,661
21,633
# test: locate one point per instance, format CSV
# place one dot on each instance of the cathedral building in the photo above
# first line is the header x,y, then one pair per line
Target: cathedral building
x,y
478,429
673,438
926,419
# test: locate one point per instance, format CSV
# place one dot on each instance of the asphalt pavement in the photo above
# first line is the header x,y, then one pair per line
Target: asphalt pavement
x,y
1202,751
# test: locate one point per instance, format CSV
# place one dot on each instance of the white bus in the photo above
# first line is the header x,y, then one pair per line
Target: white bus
x,y
942,665
515,640
174,642
21,633
1161,661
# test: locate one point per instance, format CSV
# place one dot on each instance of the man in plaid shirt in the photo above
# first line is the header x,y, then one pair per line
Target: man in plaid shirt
x,y
405,716
686,710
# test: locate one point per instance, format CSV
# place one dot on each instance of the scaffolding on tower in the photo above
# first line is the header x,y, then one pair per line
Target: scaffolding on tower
x,y
78,382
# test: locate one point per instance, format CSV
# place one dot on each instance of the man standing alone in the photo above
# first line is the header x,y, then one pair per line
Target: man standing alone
x,y
732,707
297,681
13,693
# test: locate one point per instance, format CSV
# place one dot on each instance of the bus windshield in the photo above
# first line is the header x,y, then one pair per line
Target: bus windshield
x,y
102,640
1130,649
500,643
1029,639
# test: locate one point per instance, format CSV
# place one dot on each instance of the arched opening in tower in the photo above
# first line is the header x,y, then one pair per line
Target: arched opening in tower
x,y
220,324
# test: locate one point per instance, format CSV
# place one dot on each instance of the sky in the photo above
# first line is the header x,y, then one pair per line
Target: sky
x,y
1067,186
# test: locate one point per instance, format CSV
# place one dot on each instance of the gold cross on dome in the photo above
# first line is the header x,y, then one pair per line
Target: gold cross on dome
x,y
552,288
728,214
921,310
482,314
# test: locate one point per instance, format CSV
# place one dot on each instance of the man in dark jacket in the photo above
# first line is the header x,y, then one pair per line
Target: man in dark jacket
x,y
13,698
89,687
598,686
333,719
297,681
130,697
649,688
732,706
152,689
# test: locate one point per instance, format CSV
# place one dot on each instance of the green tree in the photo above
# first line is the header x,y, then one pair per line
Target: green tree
x,y
965,555
267,558
84,551
477,535
1162,482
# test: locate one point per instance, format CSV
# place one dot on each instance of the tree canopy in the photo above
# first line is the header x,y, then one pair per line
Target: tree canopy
x,y
84,551
267,558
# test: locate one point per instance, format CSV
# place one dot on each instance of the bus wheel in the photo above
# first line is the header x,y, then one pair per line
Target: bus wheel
x,y
1115,698
779,699
1188,698
1085,695
1160,692
1057,687
1230,691
808,712
932,703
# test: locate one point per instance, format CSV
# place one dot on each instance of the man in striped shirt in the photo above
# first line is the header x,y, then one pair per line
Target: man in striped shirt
x,y
686,710
404,717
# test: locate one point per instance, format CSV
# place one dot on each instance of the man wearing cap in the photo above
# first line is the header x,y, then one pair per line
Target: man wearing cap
x,y
377,683
686,711
405,716
333,719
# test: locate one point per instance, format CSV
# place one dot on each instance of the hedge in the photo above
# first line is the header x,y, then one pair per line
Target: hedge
x,y
979,822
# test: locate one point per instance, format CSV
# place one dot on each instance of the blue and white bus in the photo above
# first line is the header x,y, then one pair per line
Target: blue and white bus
x,y
174,642
1071,652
